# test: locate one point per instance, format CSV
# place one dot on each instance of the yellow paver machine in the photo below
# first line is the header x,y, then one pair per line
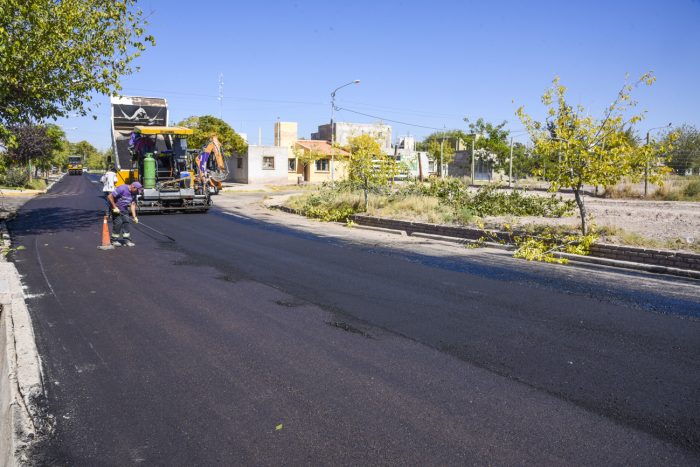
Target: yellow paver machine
x,y
148,151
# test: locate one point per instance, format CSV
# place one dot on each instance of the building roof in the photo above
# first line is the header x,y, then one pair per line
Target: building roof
x,y
321,146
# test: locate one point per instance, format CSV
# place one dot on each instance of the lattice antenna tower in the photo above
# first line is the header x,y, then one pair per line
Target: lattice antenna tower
x,y
220,97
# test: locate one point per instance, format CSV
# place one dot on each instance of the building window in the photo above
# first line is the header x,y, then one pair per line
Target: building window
x,y
322,165
268,163
292,165
239,162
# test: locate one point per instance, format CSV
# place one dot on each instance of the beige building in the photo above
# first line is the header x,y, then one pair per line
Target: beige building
x,y
286,134
343,131
319,155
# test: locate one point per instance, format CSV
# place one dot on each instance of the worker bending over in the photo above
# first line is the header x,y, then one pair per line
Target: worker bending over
x,y
122,200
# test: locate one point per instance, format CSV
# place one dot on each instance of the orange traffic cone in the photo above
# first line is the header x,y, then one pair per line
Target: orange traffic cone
x,y
106,244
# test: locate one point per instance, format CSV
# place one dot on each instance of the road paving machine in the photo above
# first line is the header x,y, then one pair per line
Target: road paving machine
x,y
75,165
146,150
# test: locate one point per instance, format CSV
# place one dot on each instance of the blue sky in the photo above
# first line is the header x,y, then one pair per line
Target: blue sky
x,y
427,63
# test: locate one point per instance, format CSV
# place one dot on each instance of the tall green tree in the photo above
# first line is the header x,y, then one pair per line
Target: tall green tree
x,y
368,166
441,151
33,147
685,155
56,55
205,126
492,143
593,151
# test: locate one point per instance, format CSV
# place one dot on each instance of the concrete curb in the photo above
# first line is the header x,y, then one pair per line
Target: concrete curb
x,y
630,265
571,257
23,420
380,229
463,241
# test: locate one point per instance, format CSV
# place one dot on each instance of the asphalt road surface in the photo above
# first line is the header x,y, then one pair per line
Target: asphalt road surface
x,y
245,342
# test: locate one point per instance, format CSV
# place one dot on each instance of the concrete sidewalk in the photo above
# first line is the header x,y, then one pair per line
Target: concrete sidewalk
x,y
23,421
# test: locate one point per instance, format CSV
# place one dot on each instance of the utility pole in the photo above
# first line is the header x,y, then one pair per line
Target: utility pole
x,y
473,141
646,172
442,143
510,171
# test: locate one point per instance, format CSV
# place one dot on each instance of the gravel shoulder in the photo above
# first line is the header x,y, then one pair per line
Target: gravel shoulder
x,y
659,221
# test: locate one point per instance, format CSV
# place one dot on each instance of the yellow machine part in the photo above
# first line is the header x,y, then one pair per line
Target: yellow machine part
x,y
163,130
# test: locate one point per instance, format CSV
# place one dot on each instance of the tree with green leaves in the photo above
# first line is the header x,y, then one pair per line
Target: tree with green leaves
x,y
685,155
33,147
524,162
491,144
442,152
56,55
368,166
206,126
592,151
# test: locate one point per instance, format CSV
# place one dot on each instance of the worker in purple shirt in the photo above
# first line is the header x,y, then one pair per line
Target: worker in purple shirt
x,y
122,200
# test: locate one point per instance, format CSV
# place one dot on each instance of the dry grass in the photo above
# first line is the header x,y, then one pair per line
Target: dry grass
x,y
418,208
620,236
679,189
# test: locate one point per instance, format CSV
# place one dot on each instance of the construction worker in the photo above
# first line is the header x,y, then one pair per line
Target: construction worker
x,y
109,179
122,200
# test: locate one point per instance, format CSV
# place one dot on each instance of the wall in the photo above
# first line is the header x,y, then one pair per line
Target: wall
x,y
253,165
668,258
346,130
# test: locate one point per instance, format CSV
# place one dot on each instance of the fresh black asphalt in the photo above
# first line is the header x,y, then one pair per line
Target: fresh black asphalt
x,y
246,343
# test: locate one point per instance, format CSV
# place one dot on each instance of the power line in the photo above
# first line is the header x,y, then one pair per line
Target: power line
x,y
390,120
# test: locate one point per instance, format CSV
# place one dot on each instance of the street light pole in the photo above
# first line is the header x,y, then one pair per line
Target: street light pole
x,y
357,81
646,163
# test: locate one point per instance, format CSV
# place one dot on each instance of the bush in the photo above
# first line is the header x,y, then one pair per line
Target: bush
x,y
37,184
17,176
327,205
692,190
489,200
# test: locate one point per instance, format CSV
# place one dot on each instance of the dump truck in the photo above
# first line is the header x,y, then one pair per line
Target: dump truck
x,y
146,150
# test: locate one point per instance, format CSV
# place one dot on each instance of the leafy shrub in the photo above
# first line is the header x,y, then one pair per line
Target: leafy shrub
x,y
692,190
326,205
37,184
16,176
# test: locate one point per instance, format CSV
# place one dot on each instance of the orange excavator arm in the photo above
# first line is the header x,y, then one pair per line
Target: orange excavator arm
x,y
219,172
214,148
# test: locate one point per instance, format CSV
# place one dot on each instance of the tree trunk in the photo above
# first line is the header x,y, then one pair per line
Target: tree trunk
x,y
582,210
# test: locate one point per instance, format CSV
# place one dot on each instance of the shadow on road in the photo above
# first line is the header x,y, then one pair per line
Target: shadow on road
x,y
48,220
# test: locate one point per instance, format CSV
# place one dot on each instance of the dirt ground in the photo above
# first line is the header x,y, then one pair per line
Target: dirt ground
x,y
664,222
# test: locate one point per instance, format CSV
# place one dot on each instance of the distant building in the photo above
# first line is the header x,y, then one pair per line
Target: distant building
x,y
416,163
345,130
286,134
319,169
461,166
261,165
